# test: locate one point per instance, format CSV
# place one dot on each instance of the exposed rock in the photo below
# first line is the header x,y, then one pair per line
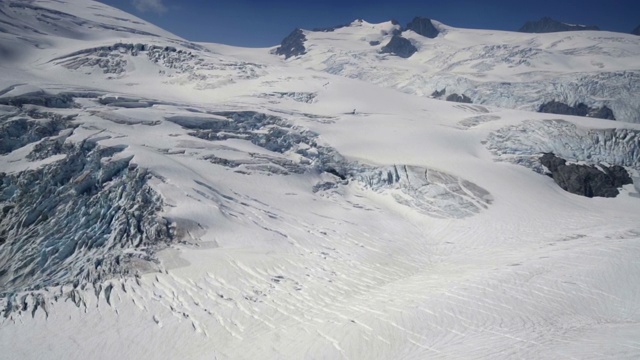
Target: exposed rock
x,y
292,45
548,25
459,98
636,31
602,113
586,180
397,30
580,109
438,93
556,107
399,46
423,26
374,43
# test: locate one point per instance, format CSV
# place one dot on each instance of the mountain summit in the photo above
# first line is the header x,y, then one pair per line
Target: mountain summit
x,y
423,26
549,25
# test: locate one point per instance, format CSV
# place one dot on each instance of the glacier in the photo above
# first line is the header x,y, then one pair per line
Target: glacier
x,y
161,198
518,71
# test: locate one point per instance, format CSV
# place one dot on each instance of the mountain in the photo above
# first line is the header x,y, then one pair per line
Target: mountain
x,y
423,26
636,31
497,68
549,25
161,198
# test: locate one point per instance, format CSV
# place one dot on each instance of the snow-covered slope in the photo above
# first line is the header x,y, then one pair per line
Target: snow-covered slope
x,y
165,199
507,69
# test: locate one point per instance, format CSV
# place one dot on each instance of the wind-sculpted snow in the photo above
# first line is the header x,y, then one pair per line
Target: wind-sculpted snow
x,y
431,192
77,221
525,142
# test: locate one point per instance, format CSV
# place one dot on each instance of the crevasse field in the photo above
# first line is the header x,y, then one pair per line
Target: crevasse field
x,y
167,199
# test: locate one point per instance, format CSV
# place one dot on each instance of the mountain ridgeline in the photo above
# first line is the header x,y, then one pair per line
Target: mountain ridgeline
x,y
549,25
293,44
589,75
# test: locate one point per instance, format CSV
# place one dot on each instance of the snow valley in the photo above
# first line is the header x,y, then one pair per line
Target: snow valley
x,y
161,198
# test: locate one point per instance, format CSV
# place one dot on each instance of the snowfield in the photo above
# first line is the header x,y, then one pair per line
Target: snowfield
x,y
166,199
499,68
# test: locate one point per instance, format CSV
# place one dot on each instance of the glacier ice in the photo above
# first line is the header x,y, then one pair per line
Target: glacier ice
x,y
523,143
81,220
431,192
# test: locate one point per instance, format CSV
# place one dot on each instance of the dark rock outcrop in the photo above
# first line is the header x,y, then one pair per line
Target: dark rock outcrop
x,y
423,26
602,113
374,43
580,109
438,93
459,98
399,46
636,31
292,45
548,25
589,181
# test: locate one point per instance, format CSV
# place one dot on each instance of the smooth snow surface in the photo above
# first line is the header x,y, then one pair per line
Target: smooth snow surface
x,y
308,214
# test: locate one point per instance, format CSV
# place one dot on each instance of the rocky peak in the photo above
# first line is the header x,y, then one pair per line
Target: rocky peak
x,y
399,46
292,45
423,26
548,25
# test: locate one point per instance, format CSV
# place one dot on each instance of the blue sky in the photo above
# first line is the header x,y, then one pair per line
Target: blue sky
x,y
263,23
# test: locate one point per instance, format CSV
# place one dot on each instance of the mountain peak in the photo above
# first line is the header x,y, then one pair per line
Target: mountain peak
x,y
292,45
548,25
423,26
636,31
399,46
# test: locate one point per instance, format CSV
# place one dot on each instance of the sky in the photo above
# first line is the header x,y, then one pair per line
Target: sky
x,y
264,23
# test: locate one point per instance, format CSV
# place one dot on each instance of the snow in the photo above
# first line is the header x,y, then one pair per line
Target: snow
x,y
468,254
507,69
